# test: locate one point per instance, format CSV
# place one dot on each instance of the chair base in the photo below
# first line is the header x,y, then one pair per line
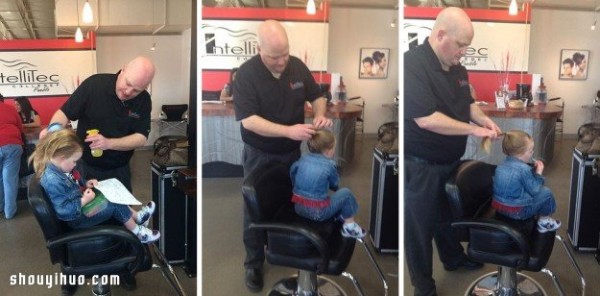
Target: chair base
x,y
488,285
318,286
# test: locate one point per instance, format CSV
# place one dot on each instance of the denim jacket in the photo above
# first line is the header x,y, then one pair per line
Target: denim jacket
x,y
64,192
516,183
313,175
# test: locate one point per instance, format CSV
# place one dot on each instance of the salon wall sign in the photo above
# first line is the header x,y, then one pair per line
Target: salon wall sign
x,y
39,71
495,36
228,35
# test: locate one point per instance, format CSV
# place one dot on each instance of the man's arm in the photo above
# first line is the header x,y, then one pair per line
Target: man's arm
x,y
59,117
266,128
440,123
126,143
319,107
478,117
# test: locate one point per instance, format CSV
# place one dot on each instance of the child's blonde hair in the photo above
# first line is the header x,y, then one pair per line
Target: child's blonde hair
x,y
62,143
515,142
321,141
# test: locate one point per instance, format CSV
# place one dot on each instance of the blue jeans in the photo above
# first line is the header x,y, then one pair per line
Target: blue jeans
x,y
121,213
342,202
543,205
10,161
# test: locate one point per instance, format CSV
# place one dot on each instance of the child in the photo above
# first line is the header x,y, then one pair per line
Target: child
x,y
312,176
519,190
54,162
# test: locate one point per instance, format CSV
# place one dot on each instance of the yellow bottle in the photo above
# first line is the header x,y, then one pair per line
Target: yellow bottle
x,y
95,152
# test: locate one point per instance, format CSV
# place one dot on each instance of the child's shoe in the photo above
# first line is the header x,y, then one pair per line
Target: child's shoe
x,y
546,224
146,235
353,230
144,214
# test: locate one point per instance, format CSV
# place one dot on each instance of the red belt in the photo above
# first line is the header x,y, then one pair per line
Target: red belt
x,y
505,208
311,203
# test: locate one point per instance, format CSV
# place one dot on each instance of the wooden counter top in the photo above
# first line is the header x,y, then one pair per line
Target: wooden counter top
x,y
340,111
534,112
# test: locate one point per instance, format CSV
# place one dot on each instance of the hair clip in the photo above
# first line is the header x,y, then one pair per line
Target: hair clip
x,y
54,127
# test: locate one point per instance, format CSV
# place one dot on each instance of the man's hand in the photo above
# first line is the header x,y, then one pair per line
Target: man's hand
x,y
301,132
98,141
482,132
322,121
490,124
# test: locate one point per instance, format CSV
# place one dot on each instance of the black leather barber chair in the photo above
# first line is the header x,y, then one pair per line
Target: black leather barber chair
x,y
102,250
314,248
513,245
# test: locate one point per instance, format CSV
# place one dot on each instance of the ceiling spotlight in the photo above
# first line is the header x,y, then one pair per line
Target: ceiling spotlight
x,y
512,8
153,48
311,8
593,26
87,14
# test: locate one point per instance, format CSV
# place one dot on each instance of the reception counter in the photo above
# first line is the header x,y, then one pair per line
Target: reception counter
x,y
222,142
539,121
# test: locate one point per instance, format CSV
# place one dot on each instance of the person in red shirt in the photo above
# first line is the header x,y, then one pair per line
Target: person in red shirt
x,y
11,148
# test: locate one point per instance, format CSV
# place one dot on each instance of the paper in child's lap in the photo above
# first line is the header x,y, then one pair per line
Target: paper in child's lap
x,y
116,192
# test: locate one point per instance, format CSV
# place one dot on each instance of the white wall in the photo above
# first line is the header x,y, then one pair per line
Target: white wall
x,y
349,30
551,31
171,84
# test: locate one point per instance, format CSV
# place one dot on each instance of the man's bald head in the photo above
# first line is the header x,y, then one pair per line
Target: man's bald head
x,y
134,78
273,46
452,33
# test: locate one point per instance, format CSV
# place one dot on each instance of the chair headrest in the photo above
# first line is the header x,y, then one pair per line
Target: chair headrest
x,y
174,112
267,191
43,210
470,189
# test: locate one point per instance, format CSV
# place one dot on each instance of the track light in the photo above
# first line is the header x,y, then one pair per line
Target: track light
x,y
78,35
512,8
153,48
593,26
87,14
311,8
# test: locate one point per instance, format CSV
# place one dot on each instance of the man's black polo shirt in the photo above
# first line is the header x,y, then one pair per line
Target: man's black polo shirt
x,y
428,88
257,92
96,105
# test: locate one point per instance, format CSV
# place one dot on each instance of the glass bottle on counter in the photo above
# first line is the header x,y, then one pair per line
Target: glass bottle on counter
x,y
541,92
341,91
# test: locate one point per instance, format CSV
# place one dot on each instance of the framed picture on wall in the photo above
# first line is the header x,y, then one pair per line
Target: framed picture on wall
x,y
373,63
573,64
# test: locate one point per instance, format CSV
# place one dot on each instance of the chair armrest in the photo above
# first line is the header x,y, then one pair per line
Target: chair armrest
x,y
314,238
104,230
484,224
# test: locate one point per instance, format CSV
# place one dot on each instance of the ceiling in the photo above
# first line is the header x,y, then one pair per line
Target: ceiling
x,y
51,19
549,4
37,19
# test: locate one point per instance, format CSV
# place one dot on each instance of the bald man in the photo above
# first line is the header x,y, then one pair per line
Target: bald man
x,y
438,110
119,106
270,91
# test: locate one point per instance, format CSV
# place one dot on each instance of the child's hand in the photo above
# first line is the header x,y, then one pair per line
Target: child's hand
x,y
88,195
539,166
91,183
